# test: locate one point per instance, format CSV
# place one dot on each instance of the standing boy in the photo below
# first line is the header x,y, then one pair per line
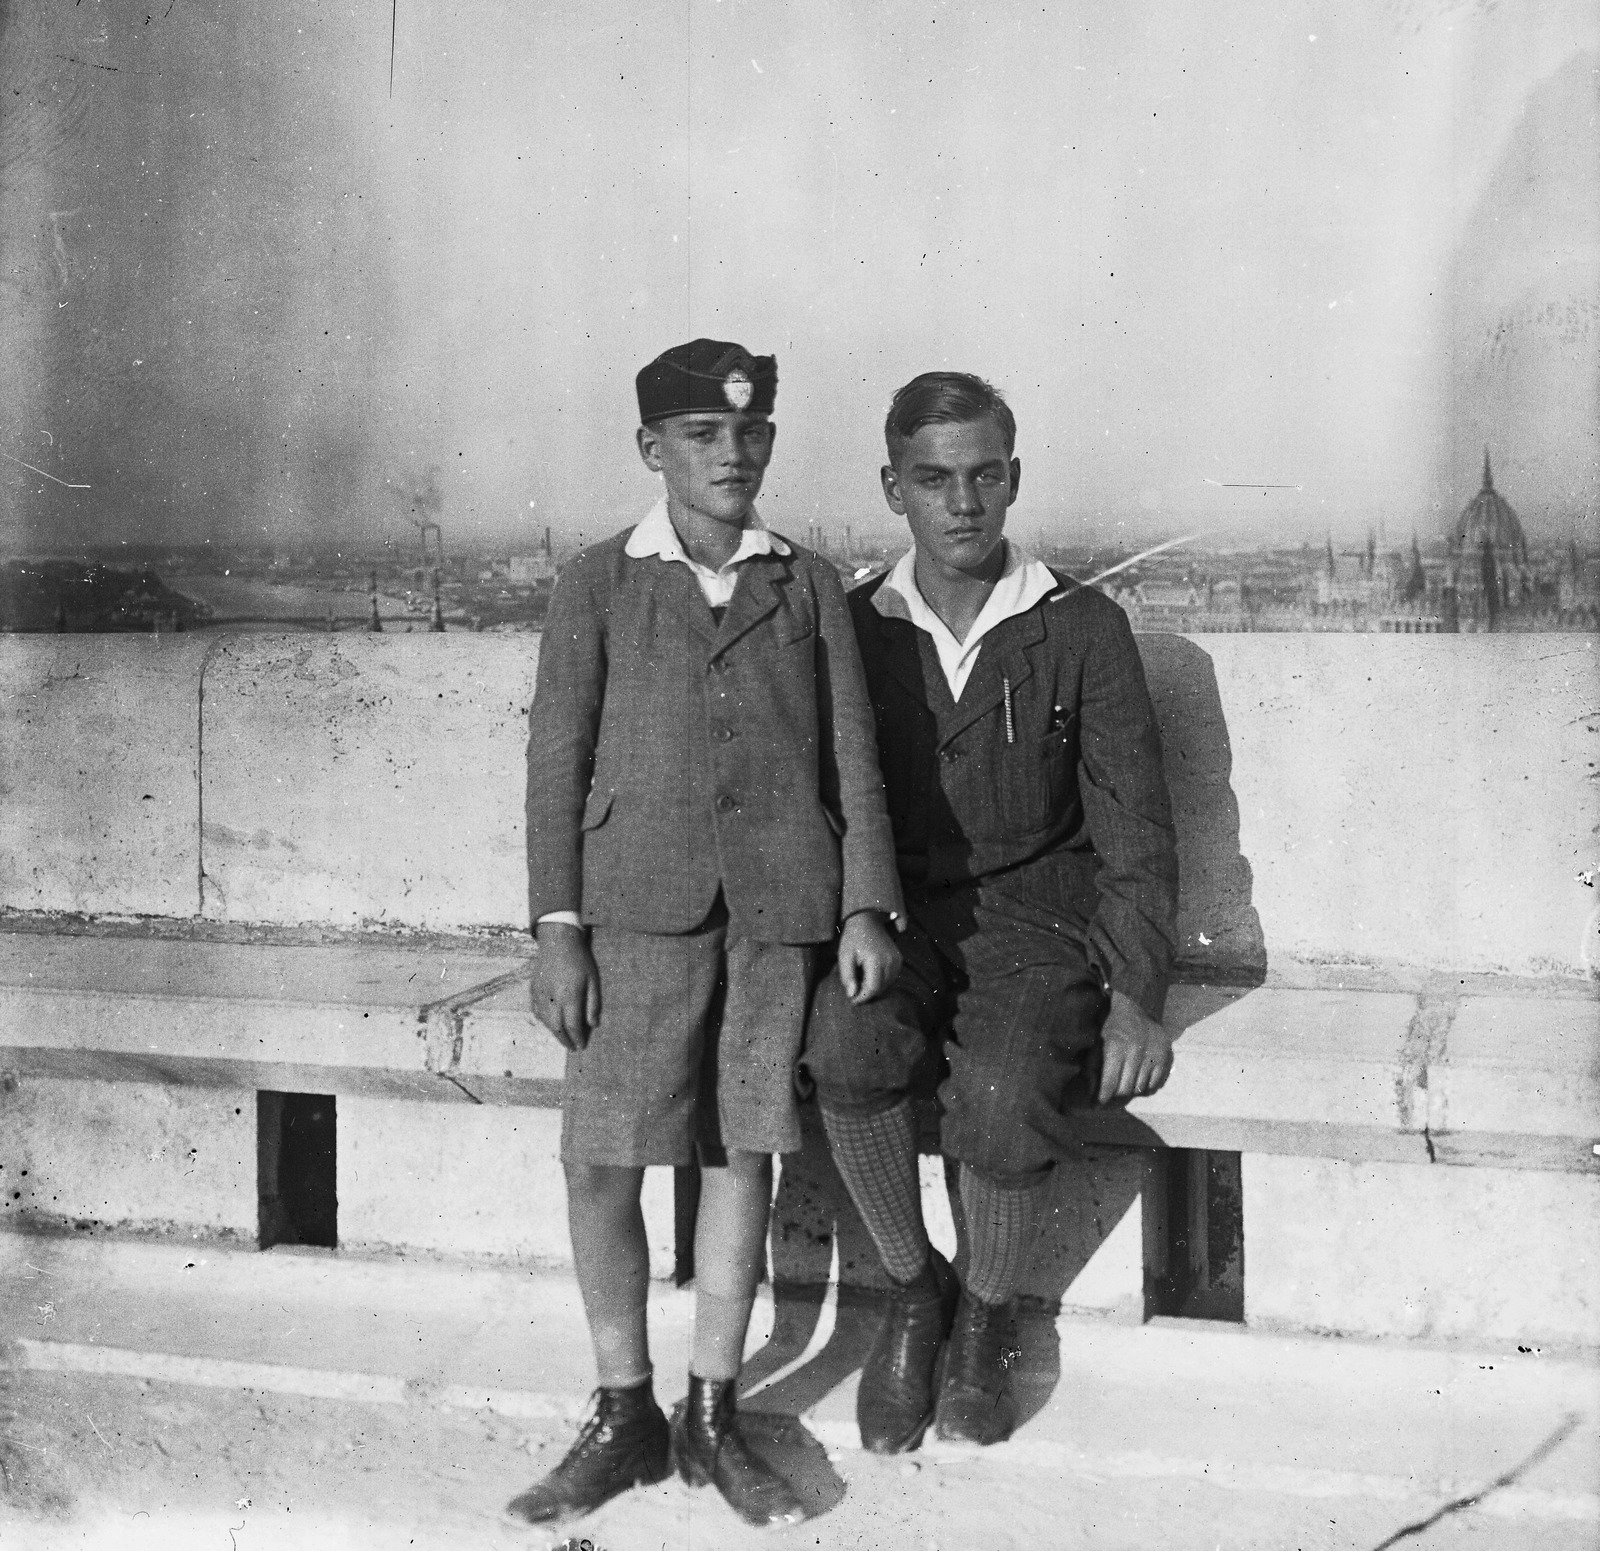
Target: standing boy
x,y
1035,845
704,808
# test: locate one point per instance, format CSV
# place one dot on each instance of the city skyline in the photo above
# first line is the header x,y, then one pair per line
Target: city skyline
x,y
1202,252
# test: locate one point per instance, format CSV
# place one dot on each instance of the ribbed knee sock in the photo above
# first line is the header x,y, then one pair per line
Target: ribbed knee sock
x,y
1002,1223
876,1155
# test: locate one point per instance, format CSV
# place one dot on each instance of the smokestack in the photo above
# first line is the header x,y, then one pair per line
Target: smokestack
x,y
374,624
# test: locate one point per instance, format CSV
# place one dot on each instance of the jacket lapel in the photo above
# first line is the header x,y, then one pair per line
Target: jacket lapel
x,y
677,590
755,596
1003,655
909,656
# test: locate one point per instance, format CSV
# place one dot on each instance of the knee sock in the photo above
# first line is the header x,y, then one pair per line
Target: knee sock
x,y
612,1257
730,1253
1002,1224
876,1155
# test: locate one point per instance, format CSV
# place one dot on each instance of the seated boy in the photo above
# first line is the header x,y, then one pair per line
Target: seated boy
x,y
704,809
1035,845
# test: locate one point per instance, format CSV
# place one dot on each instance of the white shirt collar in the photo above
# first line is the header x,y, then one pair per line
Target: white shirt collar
x,y
656,536
1023,582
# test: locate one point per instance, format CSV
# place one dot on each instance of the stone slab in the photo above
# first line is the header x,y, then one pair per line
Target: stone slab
x,y
468,1180
130,1157
363,780
1520,1064
1273,1069
1420,1251
1384,799
99,774
1095,1241
419,1177
377,1017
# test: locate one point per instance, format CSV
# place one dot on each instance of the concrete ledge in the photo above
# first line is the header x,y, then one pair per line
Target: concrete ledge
x,y
1360,1075
377,1018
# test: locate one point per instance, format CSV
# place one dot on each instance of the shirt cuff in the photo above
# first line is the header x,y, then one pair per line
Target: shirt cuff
x,y
559,918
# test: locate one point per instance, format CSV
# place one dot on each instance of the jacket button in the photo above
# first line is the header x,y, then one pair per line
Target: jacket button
x,y
725,804
723,734
720,665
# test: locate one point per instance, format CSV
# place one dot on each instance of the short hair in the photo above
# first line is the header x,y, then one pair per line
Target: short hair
x,y
948,397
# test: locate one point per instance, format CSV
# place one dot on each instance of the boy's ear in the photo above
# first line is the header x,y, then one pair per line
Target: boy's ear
x,y
1016,478
891,489
649,440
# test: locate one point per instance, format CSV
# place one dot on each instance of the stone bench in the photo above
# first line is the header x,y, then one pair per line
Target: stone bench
x,y
293,865
1364,1075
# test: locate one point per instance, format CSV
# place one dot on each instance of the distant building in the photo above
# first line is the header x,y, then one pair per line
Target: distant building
x,y
1489,571
529,570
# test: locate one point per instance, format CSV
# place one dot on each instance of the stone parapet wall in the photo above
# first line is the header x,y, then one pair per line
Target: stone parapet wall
x,y
295,864
1392,803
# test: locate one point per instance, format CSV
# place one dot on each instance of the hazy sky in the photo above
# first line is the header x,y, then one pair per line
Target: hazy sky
x,y
1335,248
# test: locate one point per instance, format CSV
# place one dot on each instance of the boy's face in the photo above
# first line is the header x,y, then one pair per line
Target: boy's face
x,y
713,463
954,482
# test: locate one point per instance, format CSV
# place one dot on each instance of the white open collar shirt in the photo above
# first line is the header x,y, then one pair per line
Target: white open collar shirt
x,y
656,536
1022,584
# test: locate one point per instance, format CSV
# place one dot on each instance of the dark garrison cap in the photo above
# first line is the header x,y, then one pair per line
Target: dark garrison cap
x,y
707,375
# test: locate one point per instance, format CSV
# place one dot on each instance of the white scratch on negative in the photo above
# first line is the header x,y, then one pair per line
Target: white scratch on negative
x,y
51,477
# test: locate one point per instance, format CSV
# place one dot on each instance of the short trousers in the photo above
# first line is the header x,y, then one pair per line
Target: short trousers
x,y
695,1050
1022,1008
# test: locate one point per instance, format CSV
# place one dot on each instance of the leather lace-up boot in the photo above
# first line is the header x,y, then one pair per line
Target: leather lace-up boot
x,y
624,1443
709,1451
975,1401
895,1401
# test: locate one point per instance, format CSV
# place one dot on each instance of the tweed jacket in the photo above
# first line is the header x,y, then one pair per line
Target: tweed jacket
x,y
670,755
1043,783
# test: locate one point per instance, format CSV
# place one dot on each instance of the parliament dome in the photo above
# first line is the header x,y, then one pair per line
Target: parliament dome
x,y
1488,515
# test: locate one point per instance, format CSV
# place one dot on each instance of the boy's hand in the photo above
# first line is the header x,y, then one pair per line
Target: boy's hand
x,y
565,993
1135,1052
868,958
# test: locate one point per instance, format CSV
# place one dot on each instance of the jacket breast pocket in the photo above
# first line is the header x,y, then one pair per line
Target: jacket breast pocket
x,y
1034,781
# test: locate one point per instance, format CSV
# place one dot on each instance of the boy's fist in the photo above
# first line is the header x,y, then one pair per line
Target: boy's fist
x,y
868,958
1135,1052
565,992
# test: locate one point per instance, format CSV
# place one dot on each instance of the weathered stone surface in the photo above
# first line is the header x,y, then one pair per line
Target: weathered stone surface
x,y
456,1179
133,1157
367,780
1519,1064
1420,1250
99,759
1290,1055
1338,798
376,1016
1092,1248
1416,800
